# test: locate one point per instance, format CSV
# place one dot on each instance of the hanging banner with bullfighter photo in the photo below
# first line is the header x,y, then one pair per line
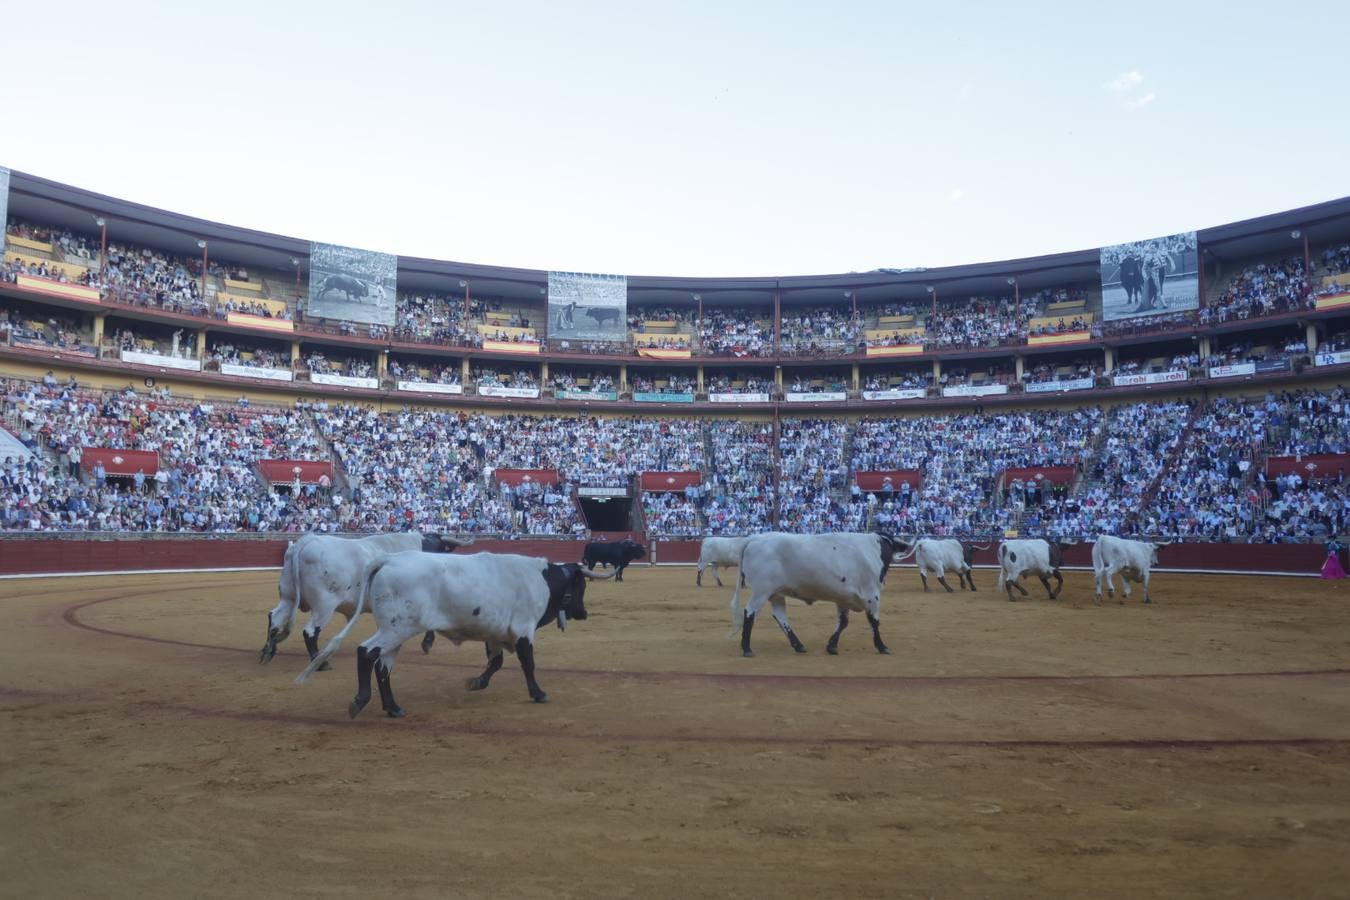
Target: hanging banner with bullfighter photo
x,y
1150,278
351,285
585,307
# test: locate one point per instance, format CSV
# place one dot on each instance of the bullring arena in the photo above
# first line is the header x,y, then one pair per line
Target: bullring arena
x,y
1197,746
179,406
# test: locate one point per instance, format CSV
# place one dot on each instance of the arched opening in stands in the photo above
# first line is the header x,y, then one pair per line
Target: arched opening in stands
x,y
608,513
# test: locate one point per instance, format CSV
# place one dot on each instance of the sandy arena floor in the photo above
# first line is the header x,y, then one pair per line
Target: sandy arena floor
x,y
1198,747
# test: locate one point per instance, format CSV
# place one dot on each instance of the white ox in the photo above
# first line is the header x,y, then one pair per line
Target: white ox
x,y
1134,560
500,599
937,555
844,569
321,573
717,551
1031,557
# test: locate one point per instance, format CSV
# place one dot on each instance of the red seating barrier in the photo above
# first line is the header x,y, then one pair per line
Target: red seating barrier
x,y
31,555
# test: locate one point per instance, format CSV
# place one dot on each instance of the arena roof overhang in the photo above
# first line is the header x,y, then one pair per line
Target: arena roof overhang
x,y
54,203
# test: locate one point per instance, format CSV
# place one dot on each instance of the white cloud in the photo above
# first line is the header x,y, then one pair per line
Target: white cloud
x,y
1125,81
1142,101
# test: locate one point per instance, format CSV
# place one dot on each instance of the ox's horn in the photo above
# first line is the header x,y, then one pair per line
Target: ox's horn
x,y
595,575
562,620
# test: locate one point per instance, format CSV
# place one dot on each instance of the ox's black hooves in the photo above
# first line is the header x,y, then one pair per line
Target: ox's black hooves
x,y
748,654
356,706
884,651
474,684
395,713
832,649
799,649
540,697
323,668
426,645
1146,600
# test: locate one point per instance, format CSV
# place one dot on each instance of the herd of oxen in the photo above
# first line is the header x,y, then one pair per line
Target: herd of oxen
x,y
414,584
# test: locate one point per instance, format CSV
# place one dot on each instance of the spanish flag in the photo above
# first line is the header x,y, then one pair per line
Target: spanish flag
x,y
14,240
899,350
656,353
237,318
510,347
1068,337
57,289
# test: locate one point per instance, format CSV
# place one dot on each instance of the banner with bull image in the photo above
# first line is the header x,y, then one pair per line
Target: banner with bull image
x,y
1149,278
584,307
352,285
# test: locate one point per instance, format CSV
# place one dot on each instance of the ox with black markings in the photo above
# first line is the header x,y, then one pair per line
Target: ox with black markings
x,y
938,555
844,569
500,599
618,555
1031,557
321,573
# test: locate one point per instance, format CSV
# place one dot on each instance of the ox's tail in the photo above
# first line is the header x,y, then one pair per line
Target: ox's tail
x,y
371,570
736,607
980,546
913,548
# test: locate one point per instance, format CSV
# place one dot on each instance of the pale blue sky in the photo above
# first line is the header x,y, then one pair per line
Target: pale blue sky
x,y
704,139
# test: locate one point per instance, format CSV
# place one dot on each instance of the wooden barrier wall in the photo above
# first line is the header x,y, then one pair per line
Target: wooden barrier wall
x,y
49,555
32,555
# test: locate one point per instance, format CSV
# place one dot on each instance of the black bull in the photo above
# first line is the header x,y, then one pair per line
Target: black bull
x,y
602,314
617,555
354,288
1132,278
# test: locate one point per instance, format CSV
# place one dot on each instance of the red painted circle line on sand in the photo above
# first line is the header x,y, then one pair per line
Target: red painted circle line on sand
x,y
71,617
552,732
